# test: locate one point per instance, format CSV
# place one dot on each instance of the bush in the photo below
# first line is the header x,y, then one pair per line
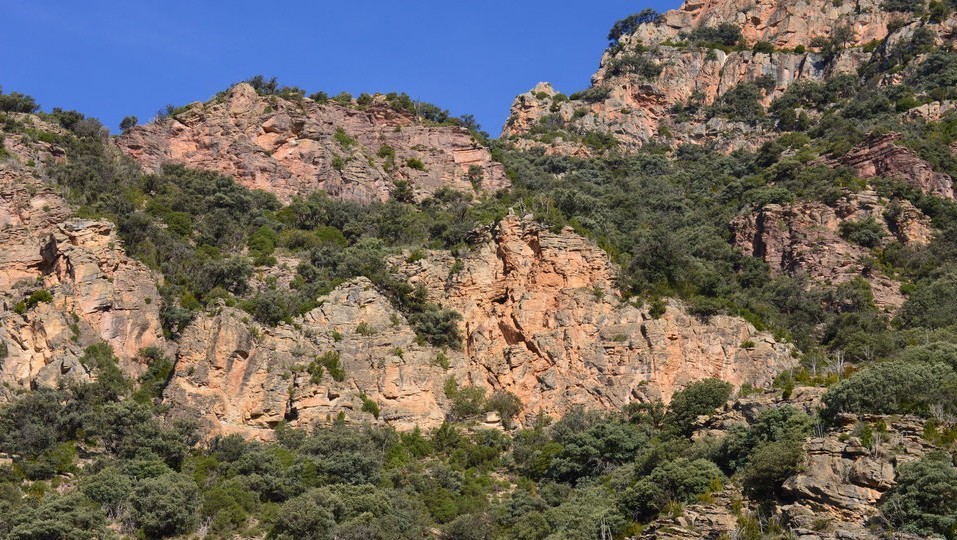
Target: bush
x,y
165,505
895,387
415,163
903,6
770,465
924,499
634,63
631,23
16,102
697,399
866,232
678,481
725,34
740,103
933,304
591,95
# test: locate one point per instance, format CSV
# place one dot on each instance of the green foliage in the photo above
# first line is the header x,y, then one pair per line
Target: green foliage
x,y
723,35
591,95
740,103
697,399
924,499
634,63
165,505
370,406
17,102
932,304
866,232
415,163
770,465
903,6
895,387
128,123
343,138
631,23
331,362
678,481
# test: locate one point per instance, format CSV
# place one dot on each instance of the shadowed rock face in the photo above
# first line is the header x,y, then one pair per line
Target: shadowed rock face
x,y
804,238
880,156
98,293
541,318
294,148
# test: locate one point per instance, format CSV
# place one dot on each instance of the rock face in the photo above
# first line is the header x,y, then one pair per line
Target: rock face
x,y
541,318
297,147
656,83
805,238
880,156
239,377
95,291
847,472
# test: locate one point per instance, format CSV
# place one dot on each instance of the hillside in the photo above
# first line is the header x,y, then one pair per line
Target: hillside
x,y
711,296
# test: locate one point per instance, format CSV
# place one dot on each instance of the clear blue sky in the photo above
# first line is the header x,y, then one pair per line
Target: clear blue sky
x,y
110,59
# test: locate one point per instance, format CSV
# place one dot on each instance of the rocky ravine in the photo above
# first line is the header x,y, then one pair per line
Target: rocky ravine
x,y
297,147
541,319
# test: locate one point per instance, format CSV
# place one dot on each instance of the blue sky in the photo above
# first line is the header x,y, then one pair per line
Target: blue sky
x,y
110,59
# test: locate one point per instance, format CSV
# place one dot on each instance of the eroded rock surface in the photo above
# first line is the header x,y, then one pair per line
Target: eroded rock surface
x,y
297,147
805,238
541,317
96,292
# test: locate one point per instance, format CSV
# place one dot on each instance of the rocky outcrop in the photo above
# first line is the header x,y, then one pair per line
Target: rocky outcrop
x,y
295,147
541,317
846,473
881,157
237,376
84,287
656,83
784,24
805,238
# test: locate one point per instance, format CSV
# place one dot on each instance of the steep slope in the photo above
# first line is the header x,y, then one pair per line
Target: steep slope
x,y
296,146
660,82
65,283
542,319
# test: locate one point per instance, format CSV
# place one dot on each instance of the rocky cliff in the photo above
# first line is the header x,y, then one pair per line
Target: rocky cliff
x,y
656,83
296,146
805,238
541,316
65,283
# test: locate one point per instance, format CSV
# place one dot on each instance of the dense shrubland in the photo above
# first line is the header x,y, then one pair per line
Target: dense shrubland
x,y
661,214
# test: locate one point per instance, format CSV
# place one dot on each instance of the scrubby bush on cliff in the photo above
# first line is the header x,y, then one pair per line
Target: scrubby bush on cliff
x,y
697,399
924,499
895,387
723,35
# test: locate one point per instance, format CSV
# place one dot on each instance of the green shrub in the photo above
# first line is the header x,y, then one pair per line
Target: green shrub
x,y
591,95
725,34
370,406
770,465
697,399
866,232
894,387
678,481
16,102
343,138
331,362
634,63
165,505
924,499
631,23
415,163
